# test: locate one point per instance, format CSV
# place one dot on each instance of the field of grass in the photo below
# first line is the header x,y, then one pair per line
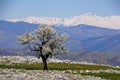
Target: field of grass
x,y
58,66
103,75
66,66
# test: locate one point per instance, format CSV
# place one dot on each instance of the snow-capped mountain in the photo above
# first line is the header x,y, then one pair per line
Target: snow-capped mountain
x,y
112,22
40,20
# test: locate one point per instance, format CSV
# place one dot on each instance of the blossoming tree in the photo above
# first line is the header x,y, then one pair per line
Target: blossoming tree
x,y
45,42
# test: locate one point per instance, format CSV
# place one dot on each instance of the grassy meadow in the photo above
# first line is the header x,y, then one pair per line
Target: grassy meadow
x,y
57,66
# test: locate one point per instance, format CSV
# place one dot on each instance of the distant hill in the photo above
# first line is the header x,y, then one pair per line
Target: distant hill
x,y
92,38
93,57
9,31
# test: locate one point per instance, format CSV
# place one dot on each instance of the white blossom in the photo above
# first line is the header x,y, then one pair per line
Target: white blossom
x,y
47,38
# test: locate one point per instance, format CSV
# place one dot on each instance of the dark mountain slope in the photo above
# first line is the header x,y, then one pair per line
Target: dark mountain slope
x,y
93,57
9,31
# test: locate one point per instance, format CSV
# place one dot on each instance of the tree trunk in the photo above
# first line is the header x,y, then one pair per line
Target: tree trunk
x,y
44,59
44,64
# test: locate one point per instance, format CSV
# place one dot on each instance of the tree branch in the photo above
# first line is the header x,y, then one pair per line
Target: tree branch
x,y
31,48
35,46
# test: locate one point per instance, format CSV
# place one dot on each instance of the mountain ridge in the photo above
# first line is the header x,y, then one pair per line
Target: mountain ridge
x,y
111,22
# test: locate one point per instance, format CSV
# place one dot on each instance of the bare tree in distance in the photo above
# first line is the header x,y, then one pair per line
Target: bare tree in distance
x,y
45,42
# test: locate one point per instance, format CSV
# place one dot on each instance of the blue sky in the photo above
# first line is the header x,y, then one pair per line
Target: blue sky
x,y
57,8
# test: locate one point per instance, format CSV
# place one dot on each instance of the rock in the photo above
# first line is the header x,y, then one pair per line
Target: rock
x,y
22,74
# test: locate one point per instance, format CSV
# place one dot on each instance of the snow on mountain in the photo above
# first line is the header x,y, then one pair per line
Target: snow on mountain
x,y
40,20
112,22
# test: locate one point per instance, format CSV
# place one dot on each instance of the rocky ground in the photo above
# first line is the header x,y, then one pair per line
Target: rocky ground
x,y
32,59
21,74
